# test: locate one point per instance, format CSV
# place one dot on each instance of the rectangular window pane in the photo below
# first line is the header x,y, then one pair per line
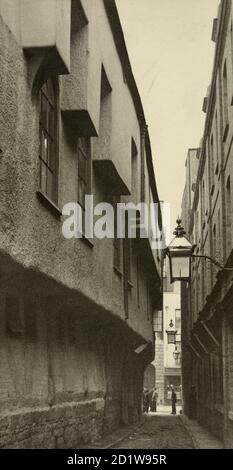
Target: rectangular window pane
x,y
225,94
117,253
43,111
117,241
48,140
81,192
43,177
83,145
180,267
51,122
177,319
50,92
158,321
51,161
44,146
51,189
82,167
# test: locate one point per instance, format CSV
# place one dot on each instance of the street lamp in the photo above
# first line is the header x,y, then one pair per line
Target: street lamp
x,y
179,253
171,333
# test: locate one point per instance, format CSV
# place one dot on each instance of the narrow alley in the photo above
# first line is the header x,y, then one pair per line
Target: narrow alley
x,y
116,231
161,431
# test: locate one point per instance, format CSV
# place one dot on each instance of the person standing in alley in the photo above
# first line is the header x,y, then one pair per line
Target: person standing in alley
x,y
154,399
174,399
146,400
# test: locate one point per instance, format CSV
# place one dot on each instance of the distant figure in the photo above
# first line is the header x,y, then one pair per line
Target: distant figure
x,y
154,399
146,400
174,399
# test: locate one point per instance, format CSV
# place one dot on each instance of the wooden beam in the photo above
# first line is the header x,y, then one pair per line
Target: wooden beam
x,y
194,350
210,333
201,344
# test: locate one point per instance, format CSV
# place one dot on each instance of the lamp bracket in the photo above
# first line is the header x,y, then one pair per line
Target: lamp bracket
x,y
219,265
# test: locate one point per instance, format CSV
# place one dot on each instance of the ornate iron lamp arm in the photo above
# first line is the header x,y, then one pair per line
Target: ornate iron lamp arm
x,y
219,265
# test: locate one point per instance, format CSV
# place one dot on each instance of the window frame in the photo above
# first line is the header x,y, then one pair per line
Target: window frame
x,y
225,100
45,128
117,242
158,321
178,317
84,141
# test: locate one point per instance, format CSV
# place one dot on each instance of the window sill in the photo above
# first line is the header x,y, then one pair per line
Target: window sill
x,y
225,134
46,201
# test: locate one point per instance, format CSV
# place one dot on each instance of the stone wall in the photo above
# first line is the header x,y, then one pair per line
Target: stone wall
x,y
60,426
65,378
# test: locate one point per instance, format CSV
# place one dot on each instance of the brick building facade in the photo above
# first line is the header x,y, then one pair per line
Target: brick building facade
x,y
207,325
74,313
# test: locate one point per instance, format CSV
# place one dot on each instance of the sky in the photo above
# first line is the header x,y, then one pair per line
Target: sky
x,y
171,53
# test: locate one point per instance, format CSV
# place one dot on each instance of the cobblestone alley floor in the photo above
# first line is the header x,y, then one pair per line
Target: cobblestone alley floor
x,y
158,432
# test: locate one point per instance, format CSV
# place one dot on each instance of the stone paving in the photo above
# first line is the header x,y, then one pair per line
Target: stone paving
x,y
159,431
202,438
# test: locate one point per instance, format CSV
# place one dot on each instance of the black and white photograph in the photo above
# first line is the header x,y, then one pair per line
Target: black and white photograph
x,y
116,231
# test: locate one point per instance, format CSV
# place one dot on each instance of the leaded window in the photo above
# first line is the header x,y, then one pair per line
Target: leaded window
x,y
49,139
84,170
